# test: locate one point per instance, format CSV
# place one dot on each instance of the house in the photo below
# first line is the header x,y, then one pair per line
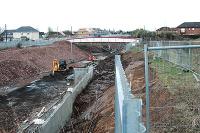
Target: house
x,y
166,30
189,28
91,32
84,32
26,32
7,35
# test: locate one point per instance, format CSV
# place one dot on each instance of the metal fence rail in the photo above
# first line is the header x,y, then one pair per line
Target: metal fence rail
x,y
183,54
12,44
127,107
172,87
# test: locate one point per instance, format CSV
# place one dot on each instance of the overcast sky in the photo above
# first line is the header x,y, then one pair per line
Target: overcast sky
x,y
108,14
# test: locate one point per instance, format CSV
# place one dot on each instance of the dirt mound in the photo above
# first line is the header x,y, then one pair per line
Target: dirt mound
x,y
31,61
13,69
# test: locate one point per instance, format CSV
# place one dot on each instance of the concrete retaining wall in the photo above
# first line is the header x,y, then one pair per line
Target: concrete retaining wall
x,y
78,73
61,113
128,109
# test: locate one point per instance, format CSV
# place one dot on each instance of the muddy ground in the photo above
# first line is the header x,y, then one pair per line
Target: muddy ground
x,y
25,103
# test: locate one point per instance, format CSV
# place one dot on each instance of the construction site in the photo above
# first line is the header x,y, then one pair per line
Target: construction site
x,y
82,99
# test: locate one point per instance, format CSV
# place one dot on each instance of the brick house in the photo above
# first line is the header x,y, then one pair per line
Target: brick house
x,y
189,28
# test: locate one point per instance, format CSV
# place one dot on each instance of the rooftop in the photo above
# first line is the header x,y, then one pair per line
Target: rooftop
x,y
26,29
9,32
189,25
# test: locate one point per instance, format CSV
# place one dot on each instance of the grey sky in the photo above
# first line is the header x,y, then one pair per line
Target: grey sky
x,y
109,14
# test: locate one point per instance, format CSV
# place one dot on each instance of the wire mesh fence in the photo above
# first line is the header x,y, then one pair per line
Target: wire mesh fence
x,y
174,89
185,58
16,43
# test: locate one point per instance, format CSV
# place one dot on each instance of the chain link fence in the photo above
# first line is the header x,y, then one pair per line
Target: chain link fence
x,y
18,43
174,84
185,58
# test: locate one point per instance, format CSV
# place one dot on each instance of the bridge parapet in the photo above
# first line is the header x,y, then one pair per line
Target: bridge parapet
x,y
103,40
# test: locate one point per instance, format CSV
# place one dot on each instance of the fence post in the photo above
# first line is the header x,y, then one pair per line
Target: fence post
x,y
147,88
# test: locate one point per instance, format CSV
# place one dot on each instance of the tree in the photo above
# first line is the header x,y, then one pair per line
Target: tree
x,y
50,29
67,32
139,33
1,30
1,37
50,32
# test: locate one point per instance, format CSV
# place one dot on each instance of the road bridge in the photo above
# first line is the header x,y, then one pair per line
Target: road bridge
x,y
105,40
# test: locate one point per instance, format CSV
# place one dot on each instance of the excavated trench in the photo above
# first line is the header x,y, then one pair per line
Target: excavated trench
x,y
85,117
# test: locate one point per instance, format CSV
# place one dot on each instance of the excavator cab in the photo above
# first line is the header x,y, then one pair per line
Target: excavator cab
x,y
62,65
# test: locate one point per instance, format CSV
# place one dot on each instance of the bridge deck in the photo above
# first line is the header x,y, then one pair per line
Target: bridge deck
x,y
103,40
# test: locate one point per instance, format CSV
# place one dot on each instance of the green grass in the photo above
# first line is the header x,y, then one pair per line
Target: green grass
x,y
184,90
137,49
172,75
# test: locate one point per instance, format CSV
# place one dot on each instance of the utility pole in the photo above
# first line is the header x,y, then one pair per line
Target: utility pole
x,y
6,32
71,30
57,31
71,50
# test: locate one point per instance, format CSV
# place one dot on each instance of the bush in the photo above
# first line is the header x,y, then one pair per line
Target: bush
x,y
19,45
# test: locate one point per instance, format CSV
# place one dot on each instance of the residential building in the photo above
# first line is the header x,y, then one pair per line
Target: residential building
x,y
91,32
84,32
7,35
26,32
189,28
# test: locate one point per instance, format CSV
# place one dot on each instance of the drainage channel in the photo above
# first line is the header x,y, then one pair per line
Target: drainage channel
x,y
28,108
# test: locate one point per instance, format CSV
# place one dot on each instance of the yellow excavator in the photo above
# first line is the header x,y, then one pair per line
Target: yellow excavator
x,y
59,66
